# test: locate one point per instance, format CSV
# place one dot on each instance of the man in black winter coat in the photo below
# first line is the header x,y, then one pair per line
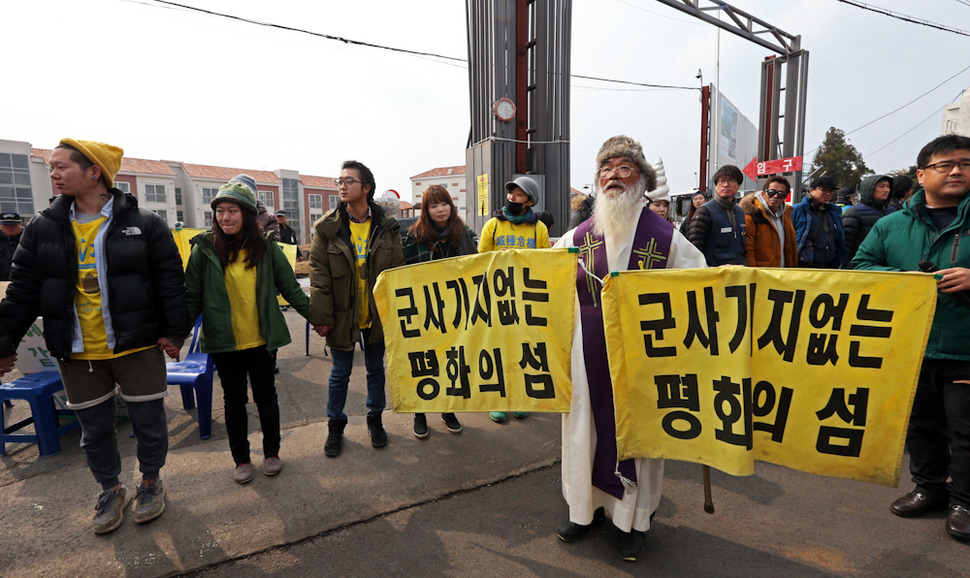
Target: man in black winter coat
x,y
107,278
717,228
11,226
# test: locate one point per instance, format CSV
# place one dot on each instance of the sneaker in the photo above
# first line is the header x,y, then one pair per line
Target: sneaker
x,y
149,501
420,426
451,422
631,544
520,414
109,513
243,474
272,465
497,416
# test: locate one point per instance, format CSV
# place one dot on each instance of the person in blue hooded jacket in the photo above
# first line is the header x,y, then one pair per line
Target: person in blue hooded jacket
x,y
818,227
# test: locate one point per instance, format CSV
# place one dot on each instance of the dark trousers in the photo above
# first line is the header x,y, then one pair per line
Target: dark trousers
x,y
939,430
233,367
99,438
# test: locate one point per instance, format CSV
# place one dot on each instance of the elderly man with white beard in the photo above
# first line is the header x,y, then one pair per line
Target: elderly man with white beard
x,y
623,234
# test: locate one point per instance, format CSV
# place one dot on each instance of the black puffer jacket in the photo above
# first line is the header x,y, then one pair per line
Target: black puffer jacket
x,y
858,219
146,290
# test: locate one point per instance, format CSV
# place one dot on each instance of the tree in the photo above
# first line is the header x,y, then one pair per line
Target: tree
x,y
910,172
839,160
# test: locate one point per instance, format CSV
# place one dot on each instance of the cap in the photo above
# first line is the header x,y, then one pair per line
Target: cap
x,y
10,218
824,182
236,192
528,186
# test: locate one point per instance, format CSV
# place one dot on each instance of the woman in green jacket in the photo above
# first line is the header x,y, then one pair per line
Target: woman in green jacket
x,y
232,277
438,234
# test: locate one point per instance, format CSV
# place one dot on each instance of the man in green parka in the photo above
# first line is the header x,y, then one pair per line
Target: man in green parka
x,y
932,233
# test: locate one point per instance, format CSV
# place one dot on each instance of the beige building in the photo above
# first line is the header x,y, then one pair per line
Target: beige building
x,y
179,192
451,178
956,116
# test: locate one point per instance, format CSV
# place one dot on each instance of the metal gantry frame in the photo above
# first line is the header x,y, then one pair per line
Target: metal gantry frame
x,y
784,79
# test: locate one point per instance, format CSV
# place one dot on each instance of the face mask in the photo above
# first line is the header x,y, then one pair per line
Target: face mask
x,y
513,207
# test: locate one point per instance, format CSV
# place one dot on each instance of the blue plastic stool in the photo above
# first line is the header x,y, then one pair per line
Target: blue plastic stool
x,y
38,389
194,376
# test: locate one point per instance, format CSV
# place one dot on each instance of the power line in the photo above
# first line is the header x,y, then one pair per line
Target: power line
x,y
896,110
932,114
906,18
909,103
304,31
630,82
383,47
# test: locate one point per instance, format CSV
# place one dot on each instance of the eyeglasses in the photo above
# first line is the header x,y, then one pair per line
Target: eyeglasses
x,y
773,193
622,171
348,181
944,167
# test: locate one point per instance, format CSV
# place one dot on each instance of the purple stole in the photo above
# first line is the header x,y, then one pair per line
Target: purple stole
x,y
651,247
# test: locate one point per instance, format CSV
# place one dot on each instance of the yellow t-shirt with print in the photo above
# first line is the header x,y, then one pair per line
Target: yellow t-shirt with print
x,y
241,287
87,297
360,237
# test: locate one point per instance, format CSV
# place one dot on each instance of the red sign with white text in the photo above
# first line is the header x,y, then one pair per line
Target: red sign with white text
x,y
758,168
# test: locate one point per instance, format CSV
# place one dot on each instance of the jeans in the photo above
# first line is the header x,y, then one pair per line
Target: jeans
x,y
233,367
939,430
343,364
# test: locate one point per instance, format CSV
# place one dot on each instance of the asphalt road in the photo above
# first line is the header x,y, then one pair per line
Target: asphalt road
x,y
486,502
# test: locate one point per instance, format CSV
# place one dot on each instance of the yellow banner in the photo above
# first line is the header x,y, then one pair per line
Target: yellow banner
x,y
182,238
487,332
806,369
483,195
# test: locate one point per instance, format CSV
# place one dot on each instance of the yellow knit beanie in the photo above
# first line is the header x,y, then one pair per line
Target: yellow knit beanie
x,y
107,157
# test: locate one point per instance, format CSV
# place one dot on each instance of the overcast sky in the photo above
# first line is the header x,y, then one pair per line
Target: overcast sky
x,y
172,84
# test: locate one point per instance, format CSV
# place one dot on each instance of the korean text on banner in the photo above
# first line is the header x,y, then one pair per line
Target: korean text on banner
x,y
813,371
486,332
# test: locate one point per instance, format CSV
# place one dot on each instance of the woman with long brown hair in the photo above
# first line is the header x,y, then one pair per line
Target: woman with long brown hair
x,y
696,200
232,278
438,233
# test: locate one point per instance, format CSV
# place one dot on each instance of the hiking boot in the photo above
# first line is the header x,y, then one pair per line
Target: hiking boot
x,y
451,422
420,426
630,544
272,465
378,437
520,414
243,474
149,501
497,416
109,513
334,439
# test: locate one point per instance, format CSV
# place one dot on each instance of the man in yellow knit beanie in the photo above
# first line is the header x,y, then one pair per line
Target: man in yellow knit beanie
x,y
120,268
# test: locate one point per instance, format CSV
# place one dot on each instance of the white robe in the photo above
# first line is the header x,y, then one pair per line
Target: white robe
x,y
578,432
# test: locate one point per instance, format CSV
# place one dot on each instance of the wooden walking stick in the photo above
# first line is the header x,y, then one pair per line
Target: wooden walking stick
x,y
708,500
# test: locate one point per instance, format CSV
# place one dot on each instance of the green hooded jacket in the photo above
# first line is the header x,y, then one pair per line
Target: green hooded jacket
x,y
206,287
898,242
